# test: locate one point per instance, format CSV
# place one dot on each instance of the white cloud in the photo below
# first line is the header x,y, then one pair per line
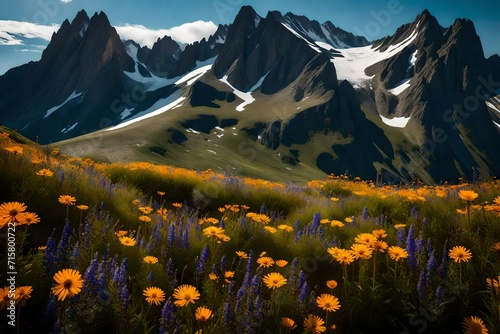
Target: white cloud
x,y
186,33
66,1
30,50
10,31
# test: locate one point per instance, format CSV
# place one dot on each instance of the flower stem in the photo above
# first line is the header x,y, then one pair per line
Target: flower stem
x,y
374,268
468,217
460,278
345,279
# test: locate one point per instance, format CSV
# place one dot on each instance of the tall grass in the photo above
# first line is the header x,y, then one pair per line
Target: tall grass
x,y
427,291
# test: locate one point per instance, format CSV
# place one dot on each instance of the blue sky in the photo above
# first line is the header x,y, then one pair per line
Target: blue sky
x,y
371,18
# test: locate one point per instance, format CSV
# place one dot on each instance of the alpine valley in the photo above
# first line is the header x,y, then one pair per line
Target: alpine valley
x,y
279,97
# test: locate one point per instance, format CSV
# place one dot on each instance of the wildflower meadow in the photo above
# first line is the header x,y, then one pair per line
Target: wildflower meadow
x,y
142,248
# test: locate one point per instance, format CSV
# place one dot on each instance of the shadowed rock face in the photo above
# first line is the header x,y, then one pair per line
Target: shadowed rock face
x,y
85,56
162,59
204,95
258,47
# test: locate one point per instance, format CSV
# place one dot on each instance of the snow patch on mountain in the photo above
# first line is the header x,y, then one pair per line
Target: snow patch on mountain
x,y
153,83
245,96
314,47
190,130
126,113
324,45
194,75
70,128
158,108
71,97
352,64
413,58
492,106
395,122
259,83
401,87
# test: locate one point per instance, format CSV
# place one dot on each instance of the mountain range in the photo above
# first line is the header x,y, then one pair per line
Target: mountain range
x,y
280,97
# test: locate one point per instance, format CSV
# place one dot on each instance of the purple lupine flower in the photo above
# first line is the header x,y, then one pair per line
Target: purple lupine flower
x,y
50,309
142,242
60,177
254,285
101,284
150,276
90,283
365,214
414,213
258,311
164,251
426,222
250,261
112,265
242,292
321,232
422,283
202,260
248,318
302,280
173,282
215,270
168,313
120,276
170,267
105,254
419,249
443,267
312,300
231,289
296,225
88,227
171,235
304,294
74,256
222,224
315,222
227,314
155,235
263,208
431,266
223,263
298,234
439,293
50,257
61,246
185,238
411,248
382,219
102,270
294,265
243,222
246,280
400,236
125,264
124,297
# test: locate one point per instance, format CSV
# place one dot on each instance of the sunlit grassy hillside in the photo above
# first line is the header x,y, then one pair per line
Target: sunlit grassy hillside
x,y
144,248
